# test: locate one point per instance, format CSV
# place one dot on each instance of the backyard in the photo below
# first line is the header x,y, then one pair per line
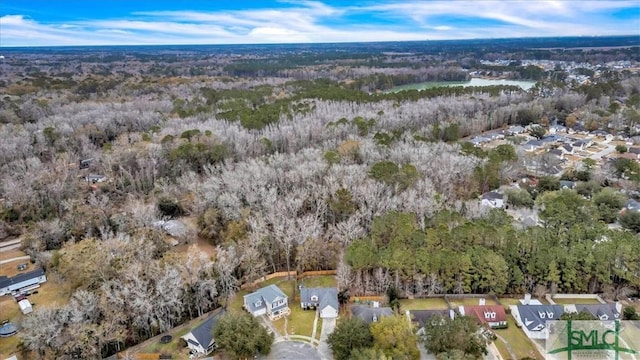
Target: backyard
x,y
48,294
468,301
437,303
570,301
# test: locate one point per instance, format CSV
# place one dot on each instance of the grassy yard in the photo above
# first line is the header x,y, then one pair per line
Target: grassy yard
x,y
10,268
576,301
172,347
50,293
299,322
423,304
319,281
519,342
509,301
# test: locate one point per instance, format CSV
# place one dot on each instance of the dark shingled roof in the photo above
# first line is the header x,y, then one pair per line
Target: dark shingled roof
x,y
21,277
535,317
368,314
204,332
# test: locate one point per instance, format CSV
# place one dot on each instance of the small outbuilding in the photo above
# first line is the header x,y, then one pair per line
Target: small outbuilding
x,y
25,306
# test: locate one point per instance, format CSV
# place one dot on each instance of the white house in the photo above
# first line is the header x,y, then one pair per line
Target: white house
x,y
323,299
200,340
30,279
269,300
492,199
25,306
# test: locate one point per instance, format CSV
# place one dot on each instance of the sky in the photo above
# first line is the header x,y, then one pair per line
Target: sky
x,y
155,22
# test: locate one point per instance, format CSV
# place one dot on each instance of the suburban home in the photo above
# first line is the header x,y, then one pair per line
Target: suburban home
x,y
370,314
583,144
631,205
269,300
95,178
566,148
566,184
635,150
492,199
557,129
533,318
598,311
28,280
479,140
515,130
532,145
421,317
200,340
492,315
557,152
325,300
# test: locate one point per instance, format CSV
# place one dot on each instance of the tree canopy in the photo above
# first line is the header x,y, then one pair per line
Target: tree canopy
x,y
242,336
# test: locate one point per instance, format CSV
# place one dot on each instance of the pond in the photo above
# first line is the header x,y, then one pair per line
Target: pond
x,y
524,84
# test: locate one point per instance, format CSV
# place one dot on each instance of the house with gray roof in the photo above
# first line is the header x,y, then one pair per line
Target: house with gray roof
x,y
200,340
269,300
421,317
370,314
31,279
515,130
533,318
602,311
325,300
492,199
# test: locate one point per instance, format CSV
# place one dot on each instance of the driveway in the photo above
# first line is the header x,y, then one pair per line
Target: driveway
x,y
292,350
328,325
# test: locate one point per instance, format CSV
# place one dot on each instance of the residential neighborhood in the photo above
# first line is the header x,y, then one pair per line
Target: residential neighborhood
x,y
269,300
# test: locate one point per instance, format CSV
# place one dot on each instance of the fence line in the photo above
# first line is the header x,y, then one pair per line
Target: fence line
x,y
283,274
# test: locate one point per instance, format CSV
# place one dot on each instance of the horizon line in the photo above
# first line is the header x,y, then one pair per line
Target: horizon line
x,y
335,42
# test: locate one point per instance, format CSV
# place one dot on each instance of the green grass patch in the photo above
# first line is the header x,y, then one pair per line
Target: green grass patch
x,y
502,349
519,342
319,281
509,301
423,304
300,322
455,302
576,301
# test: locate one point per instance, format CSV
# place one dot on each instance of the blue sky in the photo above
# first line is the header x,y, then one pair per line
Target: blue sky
x,y
138,22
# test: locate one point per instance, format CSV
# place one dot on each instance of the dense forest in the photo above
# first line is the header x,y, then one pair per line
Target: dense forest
x,y
301,159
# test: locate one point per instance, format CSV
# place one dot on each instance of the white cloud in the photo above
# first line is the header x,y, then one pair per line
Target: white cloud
x,y
307,21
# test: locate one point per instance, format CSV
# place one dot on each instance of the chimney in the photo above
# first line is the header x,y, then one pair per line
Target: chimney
x,y
482,302
527,299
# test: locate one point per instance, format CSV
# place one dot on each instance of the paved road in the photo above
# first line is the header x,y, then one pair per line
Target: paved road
x,y
328,325
292,350
605,152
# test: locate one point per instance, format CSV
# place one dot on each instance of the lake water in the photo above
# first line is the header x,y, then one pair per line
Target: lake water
x,y
524,84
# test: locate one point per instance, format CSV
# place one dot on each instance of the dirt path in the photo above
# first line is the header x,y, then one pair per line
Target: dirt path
x,y
15,259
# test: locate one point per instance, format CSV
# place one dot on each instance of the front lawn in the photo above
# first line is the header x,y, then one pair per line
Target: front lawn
x,y
519,342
